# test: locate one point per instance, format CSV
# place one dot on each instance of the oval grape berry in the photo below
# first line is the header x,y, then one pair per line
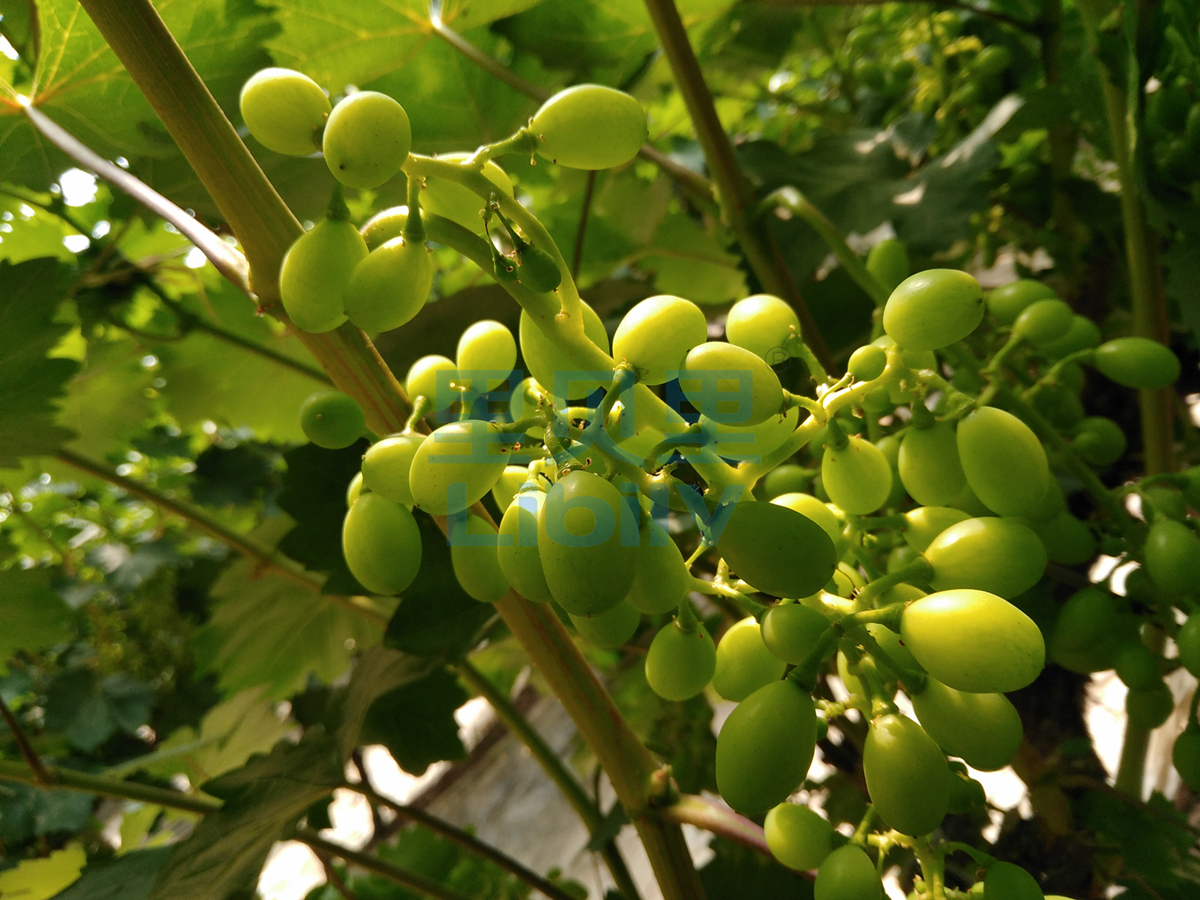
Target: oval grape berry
x,y
589,126
382,544
315,272
367,139
332,420
1003,460
680,663
656,335
285,110
933,309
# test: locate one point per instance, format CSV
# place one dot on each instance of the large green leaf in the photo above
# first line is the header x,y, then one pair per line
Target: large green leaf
x,y
78,82
88,709
31,384
40,879
416,722
263,800
34,616
128,878
267,631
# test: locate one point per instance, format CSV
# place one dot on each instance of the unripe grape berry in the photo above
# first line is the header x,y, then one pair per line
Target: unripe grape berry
x,y
552,368
517,551
1005,881
382,544
1137,362
473,543
1043,321
762,324
332,420
489,350
776,549
1099,440
660,580
797,836
925,523
1137,666
538,270
1188,640
847,874
389,286
315,272
857,476
367,139
680,662
984,729
928,464
867,363
1082,334
1173,557
610,629
888,262
509,484
1000,556
1149,709
933,309
285,110
730,385
1003,460
906,775
455,466
812,508
1006,302
589,126
1185,756
386,466
384,226
432,376
656,335
744,664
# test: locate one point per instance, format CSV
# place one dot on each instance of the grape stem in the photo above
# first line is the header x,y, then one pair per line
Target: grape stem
x,y
805,674
420,406
932,868
918,572
864,825
689,809
912,680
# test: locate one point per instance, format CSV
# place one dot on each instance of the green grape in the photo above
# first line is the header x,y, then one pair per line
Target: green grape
x,y
1003,460
455,466
587,541
991,61
459,203
933,309
730,384
777,550
367,139
914,359
517,549
797,836
389,286
656,335
1049,506
382,544
332,420
765,747
762,324
790,631
906,775
1137,362
929,466
1188,639
1137,666
384,226
845,581
386,466
1043,321
888,262
1173,557
354,489
539,270
1083,334
1163,500
610,629
552,368
660,579
744,664
315,272
1191,486
1068,541
1149,709
890,642
285,110
786,479
680,663
847,874
867,362
923,524
964,792
857,476
1000,556
589,126
1006,302
1005,881
510,482
750,442
1086,618
983,729
432,376
488,349
973,641
1100,441
1185,756
812,508
473,545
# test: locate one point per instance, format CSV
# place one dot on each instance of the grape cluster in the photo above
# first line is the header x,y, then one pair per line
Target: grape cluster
x,y
890,527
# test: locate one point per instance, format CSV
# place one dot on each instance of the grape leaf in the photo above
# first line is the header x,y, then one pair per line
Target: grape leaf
x,y
436,617
34,615
314,495
128,878
229,734
31,384
378,671
88,709
31,233
689,261
737,871
263,799
26,811
268,631
40,879
78,82
416,722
